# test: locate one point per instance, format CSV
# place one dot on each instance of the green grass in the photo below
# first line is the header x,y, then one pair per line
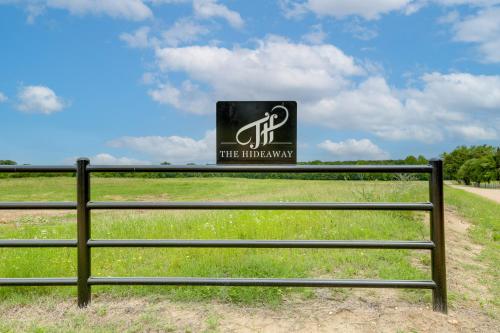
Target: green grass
x,y
484,214
240,224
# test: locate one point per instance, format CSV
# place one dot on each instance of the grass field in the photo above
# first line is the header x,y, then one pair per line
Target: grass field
x,y
339,263
473,258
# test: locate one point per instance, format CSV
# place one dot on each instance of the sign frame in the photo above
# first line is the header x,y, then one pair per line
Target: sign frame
x,y
256,132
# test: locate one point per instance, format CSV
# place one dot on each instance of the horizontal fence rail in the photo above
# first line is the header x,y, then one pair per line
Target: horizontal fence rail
x,y
261,205
38,205
263,282
84,243
264,168
37,243
38,282
311,244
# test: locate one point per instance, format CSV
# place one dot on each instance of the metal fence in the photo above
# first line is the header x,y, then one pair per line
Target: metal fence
x,y
84,243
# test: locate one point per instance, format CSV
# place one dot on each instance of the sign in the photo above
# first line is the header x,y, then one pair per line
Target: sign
x,y
257,132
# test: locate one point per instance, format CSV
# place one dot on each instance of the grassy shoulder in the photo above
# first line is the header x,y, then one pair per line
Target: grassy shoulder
x,y
484,215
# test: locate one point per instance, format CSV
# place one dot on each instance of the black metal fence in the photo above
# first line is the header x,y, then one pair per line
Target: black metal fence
x,y
84,243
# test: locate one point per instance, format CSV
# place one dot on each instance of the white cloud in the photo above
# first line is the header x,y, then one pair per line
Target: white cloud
x,y
321,79
474,3
135,10
137,39
129,9
3,98
316,35
210,8
473,132
353,149
188,98
39,99
173,149
104,158
184,30
444,104
275,69
483,29
360,31
34,10
369,10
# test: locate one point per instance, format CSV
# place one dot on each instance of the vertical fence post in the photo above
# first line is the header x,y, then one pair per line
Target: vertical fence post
x,y
83,230
439,294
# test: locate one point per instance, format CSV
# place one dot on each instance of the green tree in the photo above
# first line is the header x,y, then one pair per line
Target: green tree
x,y
453,161
7,162
478,170
422,160
411,160
497,162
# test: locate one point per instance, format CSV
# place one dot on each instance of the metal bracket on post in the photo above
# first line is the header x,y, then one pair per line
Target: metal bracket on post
x,y
83,230
439,294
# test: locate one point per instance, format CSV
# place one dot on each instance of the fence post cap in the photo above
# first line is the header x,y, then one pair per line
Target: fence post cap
x,y
86,159
436,159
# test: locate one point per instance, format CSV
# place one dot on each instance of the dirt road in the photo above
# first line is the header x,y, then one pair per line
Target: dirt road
x,y
489,193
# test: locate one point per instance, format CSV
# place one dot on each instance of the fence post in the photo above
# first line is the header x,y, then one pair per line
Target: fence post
x,y
439,294
83,230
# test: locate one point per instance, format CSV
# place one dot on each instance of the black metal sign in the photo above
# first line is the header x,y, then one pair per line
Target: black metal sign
x,y
257,132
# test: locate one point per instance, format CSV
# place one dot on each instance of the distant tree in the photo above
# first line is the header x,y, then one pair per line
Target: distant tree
x,y
497,162
478,170
453,161
165,163
7,162
410,159
422,160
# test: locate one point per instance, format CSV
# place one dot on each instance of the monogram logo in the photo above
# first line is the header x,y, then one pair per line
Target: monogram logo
x,y
263,128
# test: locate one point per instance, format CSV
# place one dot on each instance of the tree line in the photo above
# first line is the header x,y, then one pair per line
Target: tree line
x,y
470,165
410,160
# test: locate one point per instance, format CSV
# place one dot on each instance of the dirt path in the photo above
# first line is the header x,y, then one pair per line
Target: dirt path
x,y
489,193
8,216
352,311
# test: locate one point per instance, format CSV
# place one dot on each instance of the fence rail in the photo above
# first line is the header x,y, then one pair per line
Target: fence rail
x,y
84,243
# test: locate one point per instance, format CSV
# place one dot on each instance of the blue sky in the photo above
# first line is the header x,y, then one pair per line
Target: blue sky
x,y
136,81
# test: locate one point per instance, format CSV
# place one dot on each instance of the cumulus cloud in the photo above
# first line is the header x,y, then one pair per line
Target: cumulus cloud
x,y
174,149
39,99
275,69
135,10
182,31
105,158
359,30
369,10
483,29
137,39
446,103
3,98
188,97
210,8
325,82
316,35
353,149
473,132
